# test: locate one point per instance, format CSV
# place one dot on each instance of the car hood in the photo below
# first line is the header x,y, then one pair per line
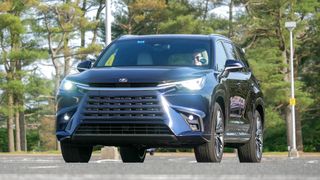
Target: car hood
x,y
137,74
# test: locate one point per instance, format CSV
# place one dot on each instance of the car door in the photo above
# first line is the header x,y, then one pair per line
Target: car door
x,y
219,66
249,84
238,86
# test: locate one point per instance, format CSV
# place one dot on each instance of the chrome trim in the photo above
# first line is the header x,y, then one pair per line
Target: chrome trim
x,y
79,84
86,87
196,112
73,83
177,83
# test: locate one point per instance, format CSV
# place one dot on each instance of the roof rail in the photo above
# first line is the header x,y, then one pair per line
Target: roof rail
x,y
219,35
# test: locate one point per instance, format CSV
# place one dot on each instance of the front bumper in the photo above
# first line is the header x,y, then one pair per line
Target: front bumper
x,y
125,116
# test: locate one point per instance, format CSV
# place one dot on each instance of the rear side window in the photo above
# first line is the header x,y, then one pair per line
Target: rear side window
x,y
231,52
221,57
242,56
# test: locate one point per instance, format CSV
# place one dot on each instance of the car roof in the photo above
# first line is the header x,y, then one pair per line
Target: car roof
x,y
175,36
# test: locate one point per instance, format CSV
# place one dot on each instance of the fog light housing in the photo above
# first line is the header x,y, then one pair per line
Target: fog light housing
x,y
66,117
194,127
192,120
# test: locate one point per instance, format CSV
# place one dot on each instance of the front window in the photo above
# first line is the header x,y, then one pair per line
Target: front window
x,y
157,52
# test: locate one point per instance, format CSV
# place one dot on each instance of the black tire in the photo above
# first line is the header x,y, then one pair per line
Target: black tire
x,y
252,150
212,151
132,154
73,153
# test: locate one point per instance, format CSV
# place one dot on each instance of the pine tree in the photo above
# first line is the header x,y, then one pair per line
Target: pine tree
x,y
309,69
60,23
17,51
265,33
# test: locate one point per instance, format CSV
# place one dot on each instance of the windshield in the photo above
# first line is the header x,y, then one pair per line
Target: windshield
x,y
157,52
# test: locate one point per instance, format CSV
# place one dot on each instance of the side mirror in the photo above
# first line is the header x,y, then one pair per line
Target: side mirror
x,y
84,65
233,65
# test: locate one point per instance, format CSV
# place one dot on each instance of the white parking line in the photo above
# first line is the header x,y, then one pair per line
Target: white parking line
x,y
107,160
313,162
176,159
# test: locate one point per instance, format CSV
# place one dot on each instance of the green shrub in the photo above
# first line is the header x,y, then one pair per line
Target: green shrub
x,y
3,140
33,140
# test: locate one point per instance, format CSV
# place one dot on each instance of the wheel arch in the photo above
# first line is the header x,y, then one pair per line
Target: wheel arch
x,y
259,106
220,98
221,102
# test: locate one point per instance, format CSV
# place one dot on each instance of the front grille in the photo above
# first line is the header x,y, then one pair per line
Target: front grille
x,y
115,85
122,129
109,108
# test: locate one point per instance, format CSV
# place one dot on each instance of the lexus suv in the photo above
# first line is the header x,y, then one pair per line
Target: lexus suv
x,y
151,91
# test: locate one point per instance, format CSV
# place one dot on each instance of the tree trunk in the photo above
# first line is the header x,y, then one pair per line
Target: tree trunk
x,y
67,62
67,58
57,84
299,130
10,123
97,18
83,38
82,31
23,132
230,19
17,121
289,126
21,140
288,108
205,9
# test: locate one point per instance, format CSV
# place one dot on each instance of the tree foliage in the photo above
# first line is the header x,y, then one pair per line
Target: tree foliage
x,y
63,32
259,28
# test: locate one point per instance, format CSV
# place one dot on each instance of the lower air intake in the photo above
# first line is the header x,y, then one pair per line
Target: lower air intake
x,y
122,129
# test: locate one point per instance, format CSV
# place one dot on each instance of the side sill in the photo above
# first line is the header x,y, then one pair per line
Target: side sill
x,y
236,138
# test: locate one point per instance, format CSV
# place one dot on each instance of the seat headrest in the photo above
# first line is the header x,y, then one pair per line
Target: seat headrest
x,y
144,59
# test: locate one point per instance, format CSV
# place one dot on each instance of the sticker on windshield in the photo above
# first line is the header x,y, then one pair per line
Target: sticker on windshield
x,y
110,60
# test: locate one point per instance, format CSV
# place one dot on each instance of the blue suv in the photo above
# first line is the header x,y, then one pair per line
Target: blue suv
x,y
177,91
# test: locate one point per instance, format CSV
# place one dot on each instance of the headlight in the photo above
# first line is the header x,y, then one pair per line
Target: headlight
x,y
192,84
67,85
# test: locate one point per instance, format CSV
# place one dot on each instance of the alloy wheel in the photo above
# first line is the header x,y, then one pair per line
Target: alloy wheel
x,y
259,137
219,134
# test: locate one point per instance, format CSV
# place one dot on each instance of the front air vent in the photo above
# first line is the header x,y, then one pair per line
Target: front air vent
x,y
122,129
109,108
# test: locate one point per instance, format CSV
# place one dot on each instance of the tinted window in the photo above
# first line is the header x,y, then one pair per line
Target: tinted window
x,y
242,56
157,52
230,51
221,57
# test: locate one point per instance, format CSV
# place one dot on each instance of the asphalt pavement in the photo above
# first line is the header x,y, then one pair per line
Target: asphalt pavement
x,y
34,167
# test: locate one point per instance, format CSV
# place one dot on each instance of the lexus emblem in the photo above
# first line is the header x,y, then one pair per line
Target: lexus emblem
x,y
123,80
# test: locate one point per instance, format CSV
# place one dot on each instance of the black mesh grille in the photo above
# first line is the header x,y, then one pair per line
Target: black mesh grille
x,y
122,129
107,108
